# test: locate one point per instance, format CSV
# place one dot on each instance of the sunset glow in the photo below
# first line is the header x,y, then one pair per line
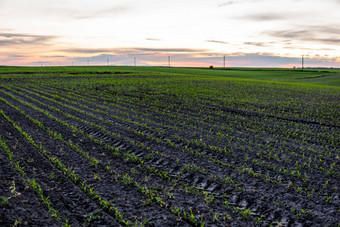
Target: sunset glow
x,y
259,33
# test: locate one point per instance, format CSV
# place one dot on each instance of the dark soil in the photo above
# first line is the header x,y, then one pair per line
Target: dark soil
x,y
201,191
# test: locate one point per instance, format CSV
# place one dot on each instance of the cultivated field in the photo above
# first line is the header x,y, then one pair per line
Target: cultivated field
x,y
160,146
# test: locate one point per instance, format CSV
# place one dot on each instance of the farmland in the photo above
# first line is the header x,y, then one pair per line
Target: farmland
x,y
169,146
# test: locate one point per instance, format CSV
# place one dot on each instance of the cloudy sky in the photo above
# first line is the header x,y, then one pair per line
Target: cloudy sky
x,y
267,33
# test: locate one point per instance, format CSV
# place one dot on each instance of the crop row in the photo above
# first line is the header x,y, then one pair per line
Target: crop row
x,y
198,155
99,142
115,153
296,171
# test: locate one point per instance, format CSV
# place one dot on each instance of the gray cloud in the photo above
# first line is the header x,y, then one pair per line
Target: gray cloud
x,y
325,35
331,41
254,60
185,50
9,39
228,3
137,50
216,41
54,56
17,56
118,59
265,17
237,59
329,29
259,44
152,39
40,62
86,50
309,49
258,59
97,58
290,34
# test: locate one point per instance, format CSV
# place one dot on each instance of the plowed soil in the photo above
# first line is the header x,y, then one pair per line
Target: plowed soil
x,y
201,163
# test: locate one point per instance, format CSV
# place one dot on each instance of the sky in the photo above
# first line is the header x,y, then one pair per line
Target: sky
x,y
249,33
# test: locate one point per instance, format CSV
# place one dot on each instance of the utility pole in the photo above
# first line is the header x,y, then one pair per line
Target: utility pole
x,y
88,62
107,61
169,60
135,61
224,61
303,61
